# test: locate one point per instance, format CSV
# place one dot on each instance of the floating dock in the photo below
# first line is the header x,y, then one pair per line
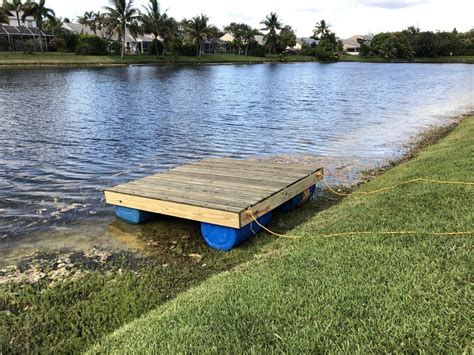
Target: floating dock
x,y
219,193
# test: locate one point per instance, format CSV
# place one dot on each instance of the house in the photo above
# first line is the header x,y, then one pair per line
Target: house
x,y
352,45
29,20
23,35
140,44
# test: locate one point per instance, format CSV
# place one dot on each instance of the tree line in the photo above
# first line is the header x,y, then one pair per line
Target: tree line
x,y
121,17
188,36
413,42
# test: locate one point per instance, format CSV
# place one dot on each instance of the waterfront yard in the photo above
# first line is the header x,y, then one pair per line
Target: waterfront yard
x,y
368,293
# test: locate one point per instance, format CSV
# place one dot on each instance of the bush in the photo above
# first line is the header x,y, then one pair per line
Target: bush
x,y
91,45
71,41
258,51
188,50
4,44
115,48
156,48
58,44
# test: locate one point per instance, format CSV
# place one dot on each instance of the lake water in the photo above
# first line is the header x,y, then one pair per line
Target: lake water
x,y
66,134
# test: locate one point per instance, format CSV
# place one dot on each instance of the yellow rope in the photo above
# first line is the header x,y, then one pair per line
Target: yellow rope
x,y
341,234
445,182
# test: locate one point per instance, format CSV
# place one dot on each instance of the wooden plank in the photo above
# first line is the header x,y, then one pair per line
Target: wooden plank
x,y
180,186
220,197
287,166
279,198
201,214
250,169
162,196
215,183
236,181
256,176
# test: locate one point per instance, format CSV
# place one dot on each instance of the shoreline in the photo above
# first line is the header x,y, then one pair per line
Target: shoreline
x,y
415,145
67,60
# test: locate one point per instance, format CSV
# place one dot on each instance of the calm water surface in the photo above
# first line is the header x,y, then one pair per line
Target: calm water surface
x,y
66,134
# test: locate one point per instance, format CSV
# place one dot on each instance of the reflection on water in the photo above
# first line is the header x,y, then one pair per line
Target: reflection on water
x,y
68,133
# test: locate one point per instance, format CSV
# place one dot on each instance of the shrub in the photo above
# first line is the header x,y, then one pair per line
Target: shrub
x,y
91,45
58,44
71,41
188,50
156,47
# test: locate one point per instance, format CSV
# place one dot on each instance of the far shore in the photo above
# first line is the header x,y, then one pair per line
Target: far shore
x,y
71,60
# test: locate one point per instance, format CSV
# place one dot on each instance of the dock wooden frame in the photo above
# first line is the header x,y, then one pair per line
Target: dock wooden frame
x,y
218,191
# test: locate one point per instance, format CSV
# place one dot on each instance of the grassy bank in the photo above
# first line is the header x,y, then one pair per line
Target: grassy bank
x,y
65,59
369,293
455,59
68,59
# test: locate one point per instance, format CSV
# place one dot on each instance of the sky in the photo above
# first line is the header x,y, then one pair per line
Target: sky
x,y
346,17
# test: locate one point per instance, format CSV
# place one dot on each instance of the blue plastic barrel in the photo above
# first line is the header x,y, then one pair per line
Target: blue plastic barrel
x,y
226,238
132,215
298,200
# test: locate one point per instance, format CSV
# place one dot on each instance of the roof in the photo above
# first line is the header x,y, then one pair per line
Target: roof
x,y
82,29
78,28
352,41
22,31
227,38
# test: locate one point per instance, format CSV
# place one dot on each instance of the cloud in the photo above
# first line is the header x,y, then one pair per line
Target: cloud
x,y
392,4
309,9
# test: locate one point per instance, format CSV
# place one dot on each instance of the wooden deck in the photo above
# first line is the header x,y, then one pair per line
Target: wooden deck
x,y
218,191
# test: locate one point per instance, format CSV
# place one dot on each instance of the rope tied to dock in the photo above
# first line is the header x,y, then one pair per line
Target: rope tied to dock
x,y
251,215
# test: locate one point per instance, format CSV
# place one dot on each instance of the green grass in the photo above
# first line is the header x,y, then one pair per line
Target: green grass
x,y
68,59
455,59
365,293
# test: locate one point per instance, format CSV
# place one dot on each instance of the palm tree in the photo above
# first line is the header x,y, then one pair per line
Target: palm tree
x,y
55,26
272,25
86,19
168,31
248,36
39,12
15,6
100,22
153,20
321,29
4,17
197,30
121,14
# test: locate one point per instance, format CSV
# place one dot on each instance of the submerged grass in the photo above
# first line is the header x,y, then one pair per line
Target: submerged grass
x,y
366,293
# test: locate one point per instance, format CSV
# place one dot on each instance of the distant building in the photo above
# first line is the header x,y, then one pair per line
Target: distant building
x,y
23,35
352,45
141,44
29,20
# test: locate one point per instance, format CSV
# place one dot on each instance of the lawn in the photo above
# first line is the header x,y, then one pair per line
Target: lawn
x,y
362,293
69,59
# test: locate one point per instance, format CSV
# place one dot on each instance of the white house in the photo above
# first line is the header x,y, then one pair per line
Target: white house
x,y
352,45
134,45
29,20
